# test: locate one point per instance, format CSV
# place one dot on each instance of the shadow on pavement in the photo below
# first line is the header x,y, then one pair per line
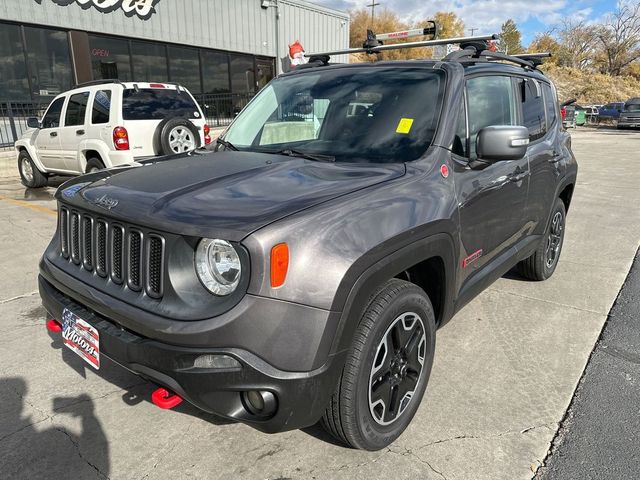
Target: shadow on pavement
x,y
36,448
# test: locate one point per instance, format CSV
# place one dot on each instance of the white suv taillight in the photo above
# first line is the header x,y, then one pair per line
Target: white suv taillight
x,y
121,138
207,137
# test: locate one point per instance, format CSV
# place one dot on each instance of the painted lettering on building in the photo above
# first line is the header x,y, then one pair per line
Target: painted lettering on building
x,y
140,8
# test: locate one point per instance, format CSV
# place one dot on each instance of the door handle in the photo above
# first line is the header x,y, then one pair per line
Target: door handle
x,y
80,132
556,157
53,134
518,177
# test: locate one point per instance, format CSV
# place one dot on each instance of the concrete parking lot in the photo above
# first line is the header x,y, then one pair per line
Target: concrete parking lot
x,y
505,369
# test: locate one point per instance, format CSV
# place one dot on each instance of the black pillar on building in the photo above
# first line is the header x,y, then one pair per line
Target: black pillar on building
x,y
81,56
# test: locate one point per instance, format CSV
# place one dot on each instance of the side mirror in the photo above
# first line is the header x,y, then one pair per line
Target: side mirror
x,y
502,142
33,122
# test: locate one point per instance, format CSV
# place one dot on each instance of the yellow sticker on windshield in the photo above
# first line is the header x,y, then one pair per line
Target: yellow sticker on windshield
x,y
404,126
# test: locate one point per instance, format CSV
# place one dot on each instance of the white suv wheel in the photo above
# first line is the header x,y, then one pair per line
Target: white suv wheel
x,y
181,139
27,170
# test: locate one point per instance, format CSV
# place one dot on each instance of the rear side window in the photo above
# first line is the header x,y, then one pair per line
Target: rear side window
x,y
490,101
157,104
76,109
52,117
101,107
533,108
550,103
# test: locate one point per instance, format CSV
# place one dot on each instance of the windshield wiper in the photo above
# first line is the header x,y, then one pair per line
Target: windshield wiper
x,y
225,144
308,156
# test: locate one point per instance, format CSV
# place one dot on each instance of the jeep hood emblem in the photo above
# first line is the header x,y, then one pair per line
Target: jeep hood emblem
x,y
105,202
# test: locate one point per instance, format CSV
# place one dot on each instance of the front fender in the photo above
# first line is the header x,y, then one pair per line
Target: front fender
x,y
27,142
376,267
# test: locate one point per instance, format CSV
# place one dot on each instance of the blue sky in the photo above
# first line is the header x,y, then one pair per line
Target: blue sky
x,y
488,15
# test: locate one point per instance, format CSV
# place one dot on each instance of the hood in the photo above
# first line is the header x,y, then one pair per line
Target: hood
x,y
226,194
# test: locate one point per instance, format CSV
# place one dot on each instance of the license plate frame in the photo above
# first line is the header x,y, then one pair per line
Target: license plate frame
x,y
81,338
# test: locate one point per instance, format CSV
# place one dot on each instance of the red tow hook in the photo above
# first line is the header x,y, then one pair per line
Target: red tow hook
x,y
162,398
54,326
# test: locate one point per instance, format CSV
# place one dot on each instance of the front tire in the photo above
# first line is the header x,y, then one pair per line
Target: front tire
x,y
541,265
30,176
387,369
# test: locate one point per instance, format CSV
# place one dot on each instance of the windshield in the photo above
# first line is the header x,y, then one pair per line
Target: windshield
x,y
632,107
359,114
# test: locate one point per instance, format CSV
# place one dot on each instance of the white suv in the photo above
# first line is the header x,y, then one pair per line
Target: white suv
x,y
108,123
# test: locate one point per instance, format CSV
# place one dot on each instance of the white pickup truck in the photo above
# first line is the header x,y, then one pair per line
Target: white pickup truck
x,y
108,123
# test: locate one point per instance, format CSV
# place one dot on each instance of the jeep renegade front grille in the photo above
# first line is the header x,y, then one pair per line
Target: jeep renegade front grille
x,y
126,255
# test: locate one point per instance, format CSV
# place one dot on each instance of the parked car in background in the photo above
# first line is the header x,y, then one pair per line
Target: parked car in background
x,y
593,115
109,123
581,115
630,116
611,111
568,113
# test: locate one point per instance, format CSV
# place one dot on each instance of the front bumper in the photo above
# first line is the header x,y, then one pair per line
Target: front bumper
x,y
301,396
629,122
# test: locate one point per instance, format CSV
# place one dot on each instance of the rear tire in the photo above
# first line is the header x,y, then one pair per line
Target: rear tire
x,y
176,135
541,265
390,360
30,176
94,165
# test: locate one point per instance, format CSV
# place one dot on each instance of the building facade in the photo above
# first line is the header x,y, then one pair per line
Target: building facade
x,y
210,46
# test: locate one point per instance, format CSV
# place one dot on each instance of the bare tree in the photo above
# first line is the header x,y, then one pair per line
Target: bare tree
x,y
620,38
578,44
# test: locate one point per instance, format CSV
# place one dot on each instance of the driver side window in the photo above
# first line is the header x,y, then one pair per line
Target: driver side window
x,y
490,101
51,119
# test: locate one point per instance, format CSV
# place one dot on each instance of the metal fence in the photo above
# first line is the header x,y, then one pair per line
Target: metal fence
x,y
219,110
13,120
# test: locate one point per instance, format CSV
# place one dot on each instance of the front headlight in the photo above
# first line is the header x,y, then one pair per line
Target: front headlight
x,y
218,266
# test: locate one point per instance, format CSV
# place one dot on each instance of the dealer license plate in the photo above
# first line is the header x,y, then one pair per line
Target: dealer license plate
x,y
81,337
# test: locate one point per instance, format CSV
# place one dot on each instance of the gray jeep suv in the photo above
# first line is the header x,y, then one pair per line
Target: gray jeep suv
x,y
299,273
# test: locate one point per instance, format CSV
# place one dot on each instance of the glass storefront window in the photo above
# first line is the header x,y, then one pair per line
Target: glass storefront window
x,y
265,72
110,58
149,62
215,71
242,74
13,72
184,68
49,61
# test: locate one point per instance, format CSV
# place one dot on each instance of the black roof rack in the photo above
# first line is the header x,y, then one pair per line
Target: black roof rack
x,y
369,48
478,52
472,49
98,82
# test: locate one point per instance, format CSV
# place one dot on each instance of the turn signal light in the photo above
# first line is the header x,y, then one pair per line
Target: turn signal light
x,y
279,264
207,137
121,138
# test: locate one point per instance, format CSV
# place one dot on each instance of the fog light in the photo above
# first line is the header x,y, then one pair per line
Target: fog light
x,y
255,400
216,361
260,403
